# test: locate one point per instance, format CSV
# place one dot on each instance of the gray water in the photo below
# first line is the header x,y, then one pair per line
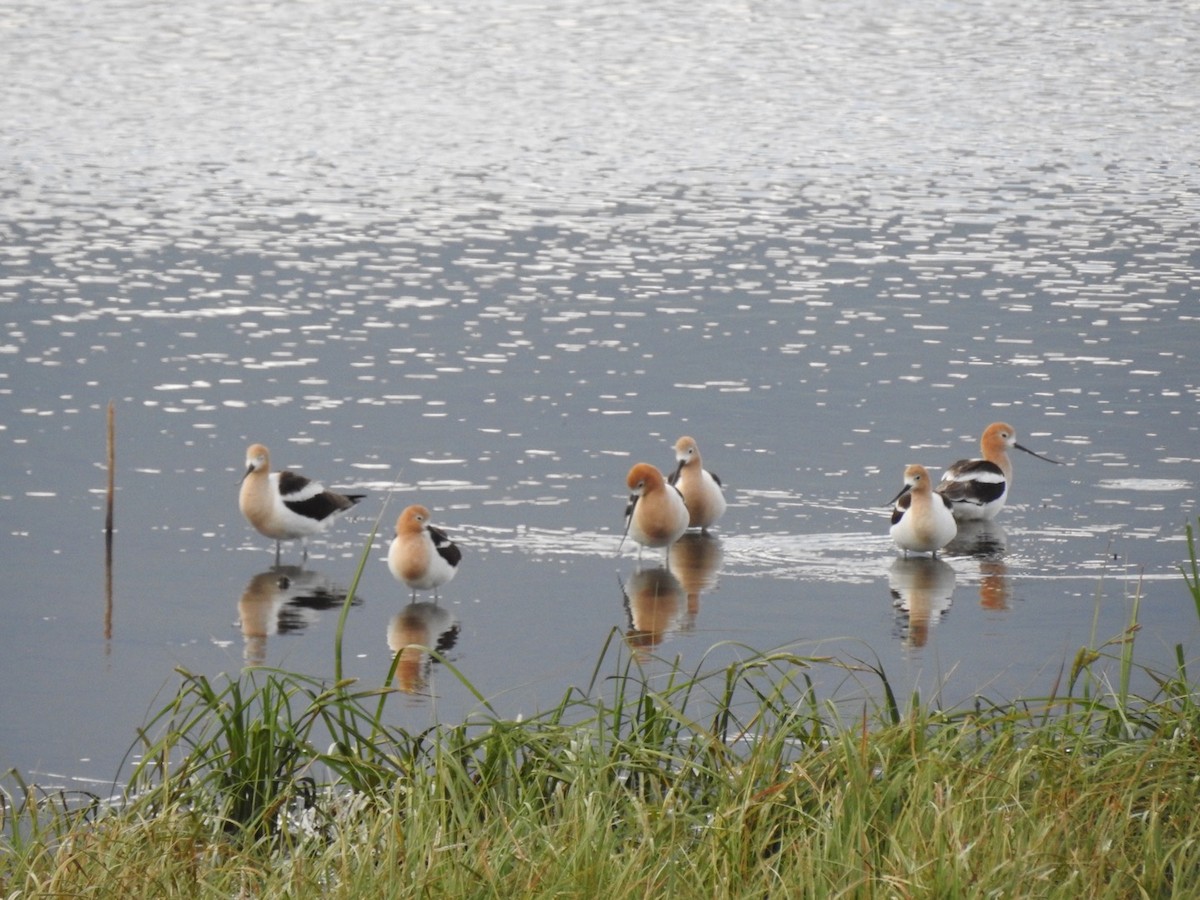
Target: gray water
x,y
487,256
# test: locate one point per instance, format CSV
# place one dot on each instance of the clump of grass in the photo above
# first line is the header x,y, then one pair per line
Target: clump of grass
x,y
736,779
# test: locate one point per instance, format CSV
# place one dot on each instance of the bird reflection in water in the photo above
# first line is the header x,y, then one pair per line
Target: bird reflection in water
x,y
283,600
922,590
412,632
695,560
653,600
979,538
986,541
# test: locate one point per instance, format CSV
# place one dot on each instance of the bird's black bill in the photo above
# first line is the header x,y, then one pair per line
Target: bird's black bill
x,y
1038,455
633,499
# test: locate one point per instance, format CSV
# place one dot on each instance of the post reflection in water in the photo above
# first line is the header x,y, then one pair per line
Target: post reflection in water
x,y
987,542
653,600
280,600
695,559
412,632
922,590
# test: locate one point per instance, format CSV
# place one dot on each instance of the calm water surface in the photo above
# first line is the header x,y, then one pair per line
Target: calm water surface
x,y
487,258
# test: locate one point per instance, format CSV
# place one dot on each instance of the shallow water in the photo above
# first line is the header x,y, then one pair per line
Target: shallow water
x,y
486,259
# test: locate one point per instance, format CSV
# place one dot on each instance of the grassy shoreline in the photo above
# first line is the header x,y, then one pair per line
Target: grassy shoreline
x,y
736,782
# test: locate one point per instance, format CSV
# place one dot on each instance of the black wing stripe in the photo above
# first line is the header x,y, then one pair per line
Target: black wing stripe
x,y
446,548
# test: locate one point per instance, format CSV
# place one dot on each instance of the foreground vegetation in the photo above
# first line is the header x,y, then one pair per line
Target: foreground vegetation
x,y
735,782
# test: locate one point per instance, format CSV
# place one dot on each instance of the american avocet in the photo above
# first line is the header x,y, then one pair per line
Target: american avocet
x,y
701,489
286,506
921,519
978,488
422,556
656,516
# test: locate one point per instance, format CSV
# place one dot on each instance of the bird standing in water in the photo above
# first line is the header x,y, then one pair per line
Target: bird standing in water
x,y
422,556
656,515
921,518
286,506
701,489
978,488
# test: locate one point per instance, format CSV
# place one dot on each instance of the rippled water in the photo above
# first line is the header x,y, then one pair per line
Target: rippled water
x,y
486,258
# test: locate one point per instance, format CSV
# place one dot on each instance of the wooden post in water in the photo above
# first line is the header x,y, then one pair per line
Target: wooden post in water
x,y
108,523
112,453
